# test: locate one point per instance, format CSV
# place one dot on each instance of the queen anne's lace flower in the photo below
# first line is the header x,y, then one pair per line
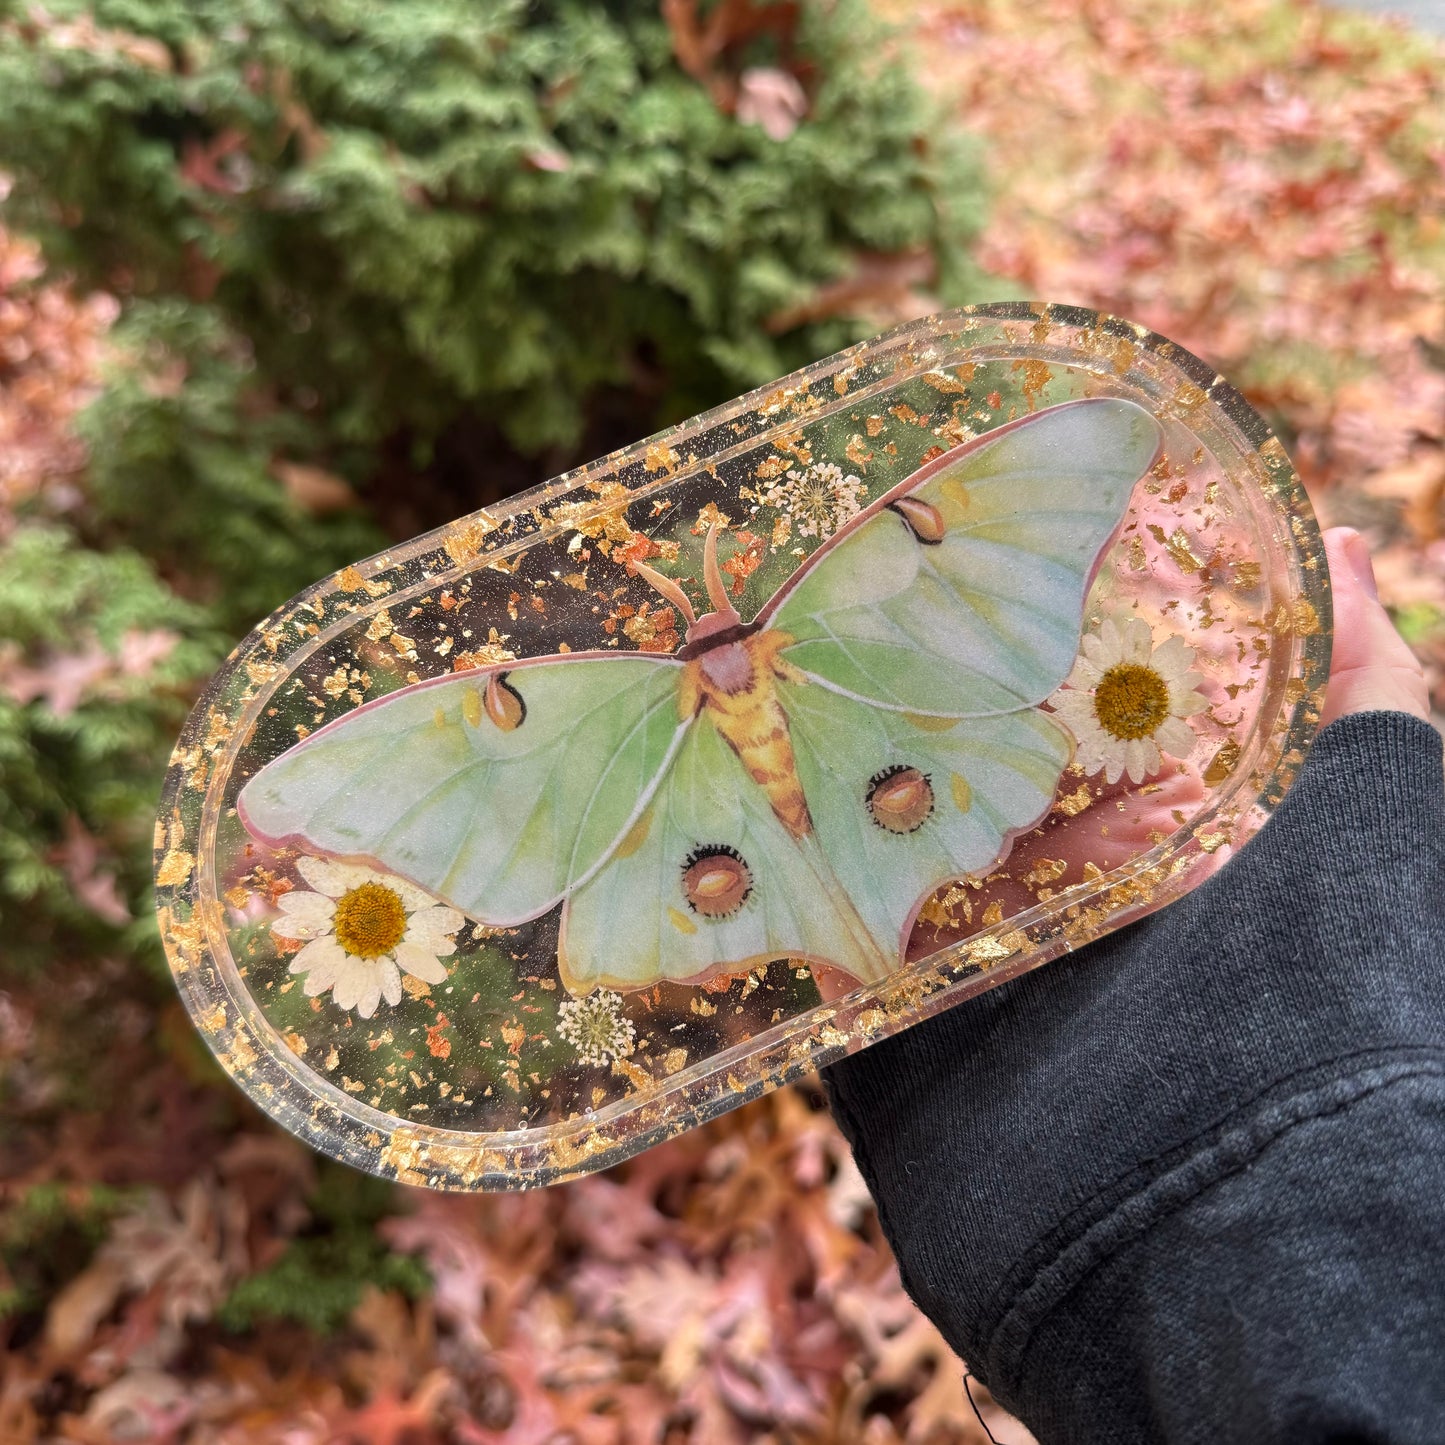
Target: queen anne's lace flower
x,y
1126,700
595,1027
362,930
819,498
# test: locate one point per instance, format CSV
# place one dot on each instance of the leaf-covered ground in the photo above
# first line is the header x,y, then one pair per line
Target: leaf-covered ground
x,y
1261,181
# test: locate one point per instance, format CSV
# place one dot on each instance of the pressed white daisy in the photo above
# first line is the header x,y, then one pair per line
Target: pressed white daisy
x,y
819,499
1126,700
362,931
595,1027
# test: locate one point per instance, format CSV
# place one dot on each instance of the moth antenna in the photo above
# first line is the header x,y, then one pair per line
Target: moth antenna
x,y
668,588
717,593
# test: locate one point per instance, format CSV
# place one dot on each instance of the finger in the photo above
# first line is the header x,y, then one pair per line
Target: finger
x,y
1372,668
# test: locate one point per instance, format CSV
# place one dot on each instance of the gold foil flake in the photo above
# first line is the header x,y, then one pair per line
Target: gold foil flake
x,y
380,626
904,994
463,544
673,1061
796,445
1072,804
1223,763
1034,376
635,1075
941,381
874,425
1046,870
485,654
702,1007
942,909
213,1020
954,431
241,1055
857,451
660,457
1188,397
1212,842
175,868
605,524
1306,620
985,952
710,516
218,730
906,414
295,1042
349,579
993,914
1179,547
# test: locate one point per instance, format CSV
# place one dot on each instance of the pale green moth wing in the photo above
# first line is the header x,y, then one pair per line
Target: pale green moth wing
x,y
498,820
982,618
709,880
903,802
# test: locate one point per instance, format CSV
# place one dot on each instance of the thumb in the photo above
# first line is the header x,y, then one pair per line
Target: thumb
x,y
1372,668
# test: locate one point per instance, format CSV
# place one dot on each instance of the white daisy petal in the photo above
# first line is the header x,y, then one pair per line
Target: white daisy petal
x,y
390,982
1171,659
321,955
328,876
1135,760
299,928
1186,704
413,899
416,961
1176,737
1074,706
1095,651
350,978
1137,640
370,992
1085,673
431,929
300,904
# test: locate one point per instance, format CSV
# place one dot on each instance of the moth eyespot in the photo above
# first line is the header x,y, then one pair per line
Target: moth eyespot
x,y
504,703
923,519
716,881
900,798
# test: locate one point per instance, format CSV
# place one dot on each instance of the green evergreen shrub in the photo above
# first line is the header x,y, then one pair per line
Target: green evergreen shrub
x,y
441,230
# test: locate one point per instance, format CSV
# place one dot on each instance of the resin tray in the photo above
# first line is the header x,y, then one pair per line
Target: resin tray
x,y
498,857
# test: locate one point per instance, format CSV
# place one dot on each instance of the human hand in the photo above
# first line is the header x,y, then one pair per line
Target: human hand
x,y
1372,669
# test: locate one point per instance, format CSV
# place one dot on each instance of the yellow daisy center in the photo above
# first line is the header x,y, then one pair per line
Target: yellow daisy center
x,y
370,921
1131,701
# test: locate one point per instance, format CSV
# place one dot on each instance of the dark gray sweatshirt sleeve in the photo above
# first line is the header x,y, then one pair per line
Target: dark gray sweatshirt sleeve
x,y
1188,1184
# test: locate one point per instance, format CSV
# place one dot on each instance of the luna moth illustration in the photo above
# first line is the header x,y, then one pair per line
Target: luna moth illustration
x,y
793,786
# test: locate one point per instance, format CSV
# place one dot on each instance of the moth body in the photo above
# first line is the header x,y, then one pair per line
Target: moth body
x,y
734,683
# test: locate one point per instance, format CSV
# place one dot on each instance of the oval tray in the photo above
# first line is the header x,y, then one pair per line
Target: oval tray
x,y
931,728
